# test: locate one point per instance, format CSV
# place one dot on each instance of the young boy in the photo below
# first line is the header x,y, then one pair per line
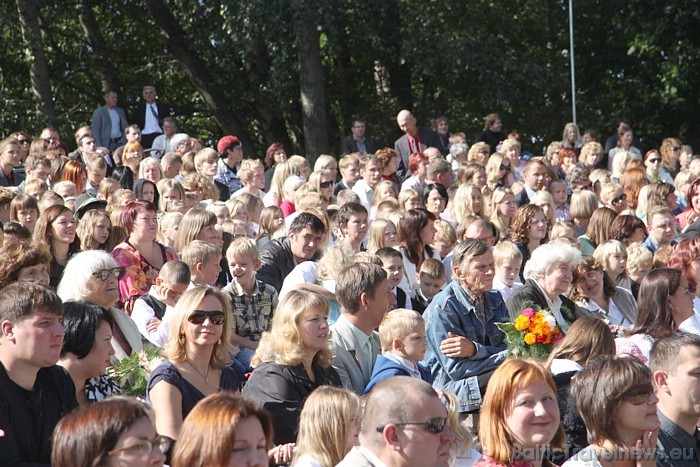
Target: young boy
x,y
148,312
350,173
507,259
445,238
430,278
253,302
353,224
392,263
203,260
560,195
402,336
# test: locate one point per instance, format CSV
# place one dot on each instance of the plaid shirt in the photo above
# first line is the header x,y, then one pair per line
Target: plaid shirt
x,y
252,313
228,177
478,309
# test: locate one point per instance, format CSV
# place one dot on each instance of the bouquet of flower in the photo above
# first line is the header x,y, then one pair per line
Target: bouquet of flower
x,y
132,372
533,334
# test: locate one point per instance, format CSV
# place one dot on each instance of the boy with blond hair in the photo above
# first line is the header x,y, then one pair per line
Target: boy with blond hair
x,y
253,302
445,238
430,278
403,340
507,259
203,259
349,171
639,262
252,174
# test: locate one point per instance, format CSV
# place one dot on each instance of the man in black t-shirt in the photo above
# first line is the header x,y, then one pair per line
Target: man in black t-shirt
x,y
34,392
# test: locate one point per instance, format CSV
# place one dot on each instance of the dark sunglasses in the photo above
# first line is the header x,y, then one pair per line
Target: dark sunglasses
x,y
199,317
654,160
435,425
504,167
23,141
326,184
618,199
105,273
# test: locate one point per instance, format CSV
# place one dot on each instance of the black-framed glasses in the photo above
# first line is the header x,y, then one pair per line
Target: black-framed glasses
x,y
105,273
199,317
434,425
619,199
504,167
146,446
327,184
654,160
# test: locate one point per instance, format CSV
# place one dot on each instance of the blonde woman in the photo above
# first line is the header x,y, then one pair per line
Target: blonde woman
x,y
329,426
544,199
382,232
619,165
503,209
511,149
197,353
322,181
275,195
498,171
479,153
292,360
467,202
571,137
150,169
327,162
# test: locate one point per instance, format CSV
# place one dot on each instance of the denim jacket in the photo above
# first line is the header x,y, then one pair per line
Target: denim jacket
x,y
452,311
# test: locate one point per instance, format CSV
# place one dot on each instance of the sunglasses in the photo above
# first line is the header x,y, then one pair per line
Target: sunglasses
x,y
676,148
326,184
23,141
654,160
435,425
199,317
504,167
618,199
105,273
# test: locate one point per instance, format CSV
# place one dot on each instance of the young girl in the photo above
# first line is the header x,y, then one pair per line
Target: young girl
x,y
612,255
271,220
558,190
467,202
221,211
25,210
503,210
169,190
95,231
545,200
409,199
169,225
382,232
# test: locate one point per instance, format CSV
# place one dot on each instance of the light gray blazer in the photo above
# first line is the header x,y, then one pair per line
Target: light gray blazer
x,y
356,458
349,359
102,126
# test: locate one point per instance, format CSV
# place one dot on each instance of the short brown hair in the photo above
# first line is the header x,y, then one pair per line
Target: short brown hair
x,y
353,281
20,299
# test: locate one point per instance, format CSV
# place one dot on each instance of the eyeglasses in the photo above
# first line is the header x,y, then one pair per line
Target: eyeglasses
x,y
504,167
105,273
145,447
199,317
326,184
676,148
435,425
654,160
619,199
639,399
23,141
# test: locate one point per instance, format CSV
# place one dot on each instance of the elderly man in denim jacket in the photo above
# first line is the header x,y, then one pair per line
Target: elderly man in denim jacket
x,y
465,345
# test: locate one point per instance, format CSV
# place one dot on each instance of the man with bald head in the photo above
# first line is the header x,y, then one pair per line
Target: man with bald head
x,y
404,424
414,140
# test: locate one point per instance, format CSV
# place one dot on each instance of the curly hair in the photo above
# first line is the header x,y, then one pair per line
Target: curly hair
x,y
385,156
520,228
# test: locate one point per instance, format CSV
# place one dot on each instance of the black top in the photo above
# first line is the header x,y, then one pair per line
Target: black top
x,y
28,418
282,390
571,421
676,447
491,138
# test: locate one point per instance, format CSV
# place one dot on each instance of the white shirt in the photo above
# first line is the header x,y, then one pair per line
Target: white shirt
x,y
303,273
162,142
151,124
116,128
261,194
555,307
613,314
412,367
504,290
366,194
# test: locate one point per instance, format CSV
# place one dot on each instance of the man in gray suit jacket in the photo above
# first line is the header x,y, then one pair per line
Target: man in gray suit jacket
x,y
108,123
365,296
404,425
414,140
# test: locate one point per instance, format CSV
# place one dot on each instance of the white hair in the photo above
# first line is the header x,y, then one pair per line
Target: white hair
x,y
546,255
292,183
79,270
179,139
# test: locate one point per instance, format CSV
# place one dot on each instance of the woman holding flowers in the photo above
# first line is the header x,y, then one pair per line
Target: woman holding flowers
x,y
548,275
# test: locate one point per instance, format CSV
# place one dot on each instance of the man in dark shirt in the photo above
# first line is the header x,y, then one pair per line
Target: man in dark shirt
x,y
675,366
34,392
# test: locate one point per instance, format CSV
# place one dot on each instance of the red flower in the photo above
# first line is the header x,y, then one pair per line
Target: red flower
x,y
540,338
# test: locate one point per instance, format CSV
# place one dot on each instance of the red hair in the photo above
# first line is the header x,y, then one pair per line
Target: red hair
x,y
75,172
131,212
415,160
683,255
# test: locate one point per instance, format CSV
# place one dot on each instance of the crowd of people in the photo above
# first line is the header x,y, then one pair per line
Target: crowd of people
x,y
351,312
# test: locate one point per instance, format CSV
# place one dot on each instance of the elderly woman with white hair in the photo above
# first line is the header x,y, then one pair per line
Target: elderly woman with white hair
x,y
548,275
92,276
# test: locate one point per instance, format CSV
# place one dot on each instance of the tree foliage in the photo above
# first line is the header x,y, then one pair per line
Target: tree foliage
x,y
242,67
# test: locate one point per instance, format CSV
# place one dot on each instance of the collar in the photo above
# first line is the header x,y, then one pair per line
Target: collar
x,y
408,364
471,295
681,436
238,289
551,303
530,192
371,457
359,335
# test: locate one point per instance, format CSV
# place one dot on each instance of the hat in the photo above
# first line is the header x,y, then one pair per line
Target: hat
x,y
88,205
226,142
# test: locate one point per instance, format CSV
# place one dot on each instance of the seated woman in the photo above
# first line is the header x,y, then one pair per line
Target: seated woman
x,y
616,399
56,229
197,353
329,427
416,234
24,261
292,360
595,291
548,276
665,301
587,339
520,392
224,429
528,231
91,276
118,431
87,350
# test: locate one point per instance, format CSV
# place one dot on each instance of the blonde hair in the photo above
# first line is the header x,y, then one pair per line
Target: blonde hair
x,y
325,425
324,161
497,219
638,255
379,194
166,222
205,155
493,176
298,162
247,169
283,171
463,202
433,268
506,251
165,185
583,204
619,163
283,343
560,229
175,348
376,234
406,196
607,190
397,324
242,246
444,232
541,198
150,161
198,251
606,249
191,225
86,229
336,258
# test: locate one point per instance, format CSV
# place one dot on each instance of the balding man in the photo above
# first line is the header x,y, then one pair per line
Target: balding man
x,y
414,140
404,425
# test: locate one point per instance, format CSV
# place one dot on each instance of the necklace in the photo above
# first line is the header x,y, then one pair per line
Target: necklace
x,y
204,376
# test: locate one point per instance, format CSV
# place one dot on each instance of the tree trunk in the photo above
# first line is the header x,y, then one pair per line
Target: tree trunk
x,y
313,97
101,54
197,69
39,70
